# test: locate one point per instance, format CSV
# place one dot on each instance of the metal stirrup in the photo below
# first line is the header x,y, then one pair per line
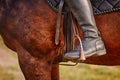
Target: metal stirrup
x,y
76,34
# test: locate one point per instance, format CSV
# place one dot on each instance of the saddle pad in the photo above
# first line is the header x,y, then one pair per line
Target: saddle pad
x,y
99,6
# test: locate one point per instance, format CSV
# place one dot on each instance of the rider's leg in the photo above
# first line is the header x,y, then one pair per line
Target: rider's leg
x,y
92,43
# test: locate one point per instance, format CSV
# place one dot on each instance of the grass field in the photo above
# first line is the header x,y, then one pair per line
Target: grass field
x,y
9,69
90,72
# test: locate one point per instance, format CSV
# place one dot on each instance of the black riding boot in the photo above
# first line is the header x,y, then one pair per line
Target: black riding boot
x,y
92,42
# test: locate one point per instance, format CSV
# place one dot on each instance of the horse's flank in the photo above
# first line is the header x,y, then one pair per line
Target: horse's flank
x,y
109,27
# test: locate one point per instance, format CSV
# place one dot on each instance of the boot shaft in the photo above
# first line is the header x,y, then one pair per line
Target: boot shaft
x,y
83,12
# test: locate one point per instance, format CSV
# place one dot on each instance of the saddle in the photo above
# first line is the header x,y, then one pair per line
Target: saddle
x,y
99,6
70,28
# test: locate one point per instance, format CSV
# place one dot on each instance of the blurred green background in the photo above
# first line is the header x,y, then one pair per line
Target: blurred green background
x,y
10,70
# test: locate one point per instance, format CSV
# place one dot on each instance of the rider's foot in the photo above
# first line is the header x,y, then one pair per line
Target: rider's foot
x,y
91,47
92,43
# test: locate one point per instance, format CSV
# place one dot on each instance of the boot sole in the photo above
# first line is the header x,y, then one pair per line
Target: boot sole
x,y
98,53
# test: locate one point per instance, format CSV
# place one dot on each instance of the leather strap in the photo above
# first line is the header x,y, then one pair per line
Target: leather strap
x,y
57,34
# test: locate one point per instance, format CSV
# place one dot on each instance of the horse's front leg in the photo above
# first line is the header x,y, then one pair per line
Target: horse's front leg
x,y
55,72
33,68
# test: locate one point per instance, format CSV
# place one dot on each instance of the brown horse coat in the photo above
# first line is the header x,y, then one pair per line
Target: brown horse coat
x,y
28,27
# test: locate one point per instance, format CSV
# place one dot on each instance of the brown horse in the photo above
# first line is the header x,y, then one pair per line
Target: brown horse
x,y
28,27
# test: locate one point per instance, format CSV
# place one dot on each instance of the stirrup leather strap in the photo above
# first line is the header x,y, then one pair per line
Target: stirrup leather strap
x,y
57,34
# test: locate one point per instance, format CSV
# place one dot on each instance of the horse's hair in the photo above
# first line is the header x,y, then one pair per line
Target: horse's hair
x,y
7,4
